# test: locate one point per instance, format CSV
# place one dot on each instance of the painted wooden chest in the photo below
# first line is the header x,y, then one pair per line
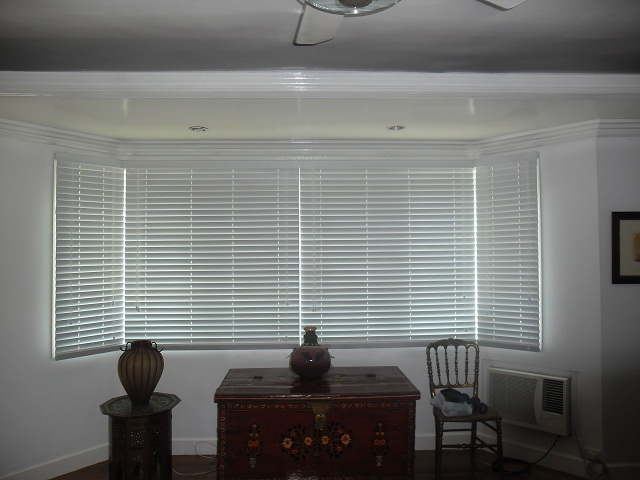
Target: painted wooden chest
x,y
353,423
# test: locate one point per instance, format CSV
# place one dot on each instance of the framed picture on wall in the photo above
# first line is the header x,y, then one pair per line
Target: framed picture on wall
x,y
625,230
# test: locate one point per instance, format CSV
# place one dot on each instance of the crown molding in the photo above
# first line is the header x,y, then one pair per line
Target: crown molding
x,y
279,150
284,150
574,132
59,138
539,138
619,128
312,83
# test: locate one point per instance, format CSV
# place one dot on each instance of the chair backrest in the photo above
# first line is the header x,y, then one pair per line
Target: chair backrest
x,y
457,363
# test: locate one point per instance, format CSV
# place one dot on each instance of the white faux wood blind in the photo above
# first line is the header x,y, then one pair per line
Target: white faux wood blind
x,y
225,257
89,258
388,254
508,253
212,257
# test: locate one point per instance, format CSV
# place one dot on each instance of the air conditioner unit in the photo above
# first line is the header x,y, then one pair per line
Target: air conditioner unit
x,y
531,400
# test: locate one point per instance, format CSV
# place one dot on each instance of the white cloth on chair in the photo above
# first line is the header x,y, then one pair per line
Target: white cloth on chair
x,y
451,409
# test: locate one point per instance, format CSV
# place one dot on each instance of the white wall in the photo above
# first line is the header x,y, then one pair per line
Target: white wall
x,y
619,190
50,409
570,300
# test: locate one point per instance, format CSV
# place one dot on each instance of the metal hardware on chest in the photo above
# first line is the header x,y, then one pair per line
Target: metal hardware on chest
x,y
320,409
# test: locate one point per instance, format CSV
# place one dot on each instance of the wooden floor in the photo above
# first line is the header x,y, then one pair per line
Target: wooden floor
x,y
455,468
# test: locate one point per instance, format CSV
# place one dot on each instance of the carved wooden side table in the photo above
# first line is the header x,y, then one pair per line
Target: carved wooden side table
x,y
140,437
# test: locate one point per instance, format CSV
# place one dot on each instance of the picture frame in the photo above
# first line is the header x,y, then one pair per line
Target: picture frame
x,y
625,247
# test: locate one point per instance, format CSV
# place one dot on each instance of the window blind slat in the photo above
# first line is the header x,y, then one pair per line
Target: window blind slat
x,y
378,251
212,245
89,257
508,254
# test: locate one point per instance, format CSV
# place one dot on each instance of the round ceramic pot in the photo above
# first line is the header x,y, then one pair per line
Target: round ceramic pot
x,y
140,367
310,360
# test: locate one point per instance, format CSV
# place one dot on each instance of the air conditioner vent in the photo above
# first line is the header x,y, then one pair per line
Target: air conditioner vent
x,y
531,400
552,396
516,397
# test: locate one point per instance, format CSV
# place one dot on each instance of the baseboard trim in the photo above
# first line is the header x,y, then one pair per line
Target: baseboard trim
x,y
561,462
207,446
100,453
61,465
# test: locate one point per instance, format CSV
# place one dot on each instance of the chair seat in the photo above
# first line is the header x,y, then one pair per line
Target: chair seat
x,y
489,416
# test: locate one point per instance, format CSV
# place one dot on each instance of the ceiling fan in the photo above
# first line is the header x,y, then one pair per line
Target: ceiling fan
x,y
320,19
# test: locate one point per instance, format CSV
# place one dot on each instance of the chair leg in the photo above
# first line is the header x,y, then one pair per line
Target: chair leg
x,y
474,444
439,434
499,448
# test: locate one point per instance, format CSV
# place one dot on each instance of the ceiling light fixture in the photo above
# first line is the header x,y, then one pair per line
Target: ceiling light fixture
x,y
351,7
198,129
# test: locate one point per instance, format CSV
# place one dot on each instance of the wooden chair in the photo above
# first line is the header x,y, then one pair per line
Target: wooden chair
x,y
457,363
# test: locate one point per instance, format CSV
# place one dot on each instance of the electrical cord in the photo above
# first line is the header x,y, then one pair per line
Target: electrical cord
x,y
195,449
524,465
208,457
596,468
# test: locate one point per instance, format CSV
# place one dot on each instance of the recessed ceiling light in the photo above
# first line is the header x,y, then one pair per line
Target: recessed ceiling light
x,y
395,128
198,128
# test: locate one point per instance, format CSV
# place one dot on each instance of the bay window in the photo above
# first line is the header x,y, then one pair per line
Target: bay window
x,y
243,256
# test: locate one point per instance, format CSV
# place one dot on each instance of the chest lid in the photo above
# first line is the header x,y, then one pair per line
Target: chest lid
x,y
345,383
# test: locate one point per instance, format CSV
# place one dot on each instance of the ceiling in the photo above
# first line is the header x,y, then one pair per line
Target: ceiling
x,y
444,69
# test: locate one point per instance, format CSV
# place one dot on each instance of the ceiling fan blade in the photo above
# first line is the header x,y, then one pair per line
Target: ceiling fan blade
x,y
503,4
316,26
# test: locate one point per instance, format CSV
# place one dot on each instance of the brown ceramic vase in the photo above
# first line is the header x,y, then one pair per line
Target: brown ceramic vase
x,y
140,367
